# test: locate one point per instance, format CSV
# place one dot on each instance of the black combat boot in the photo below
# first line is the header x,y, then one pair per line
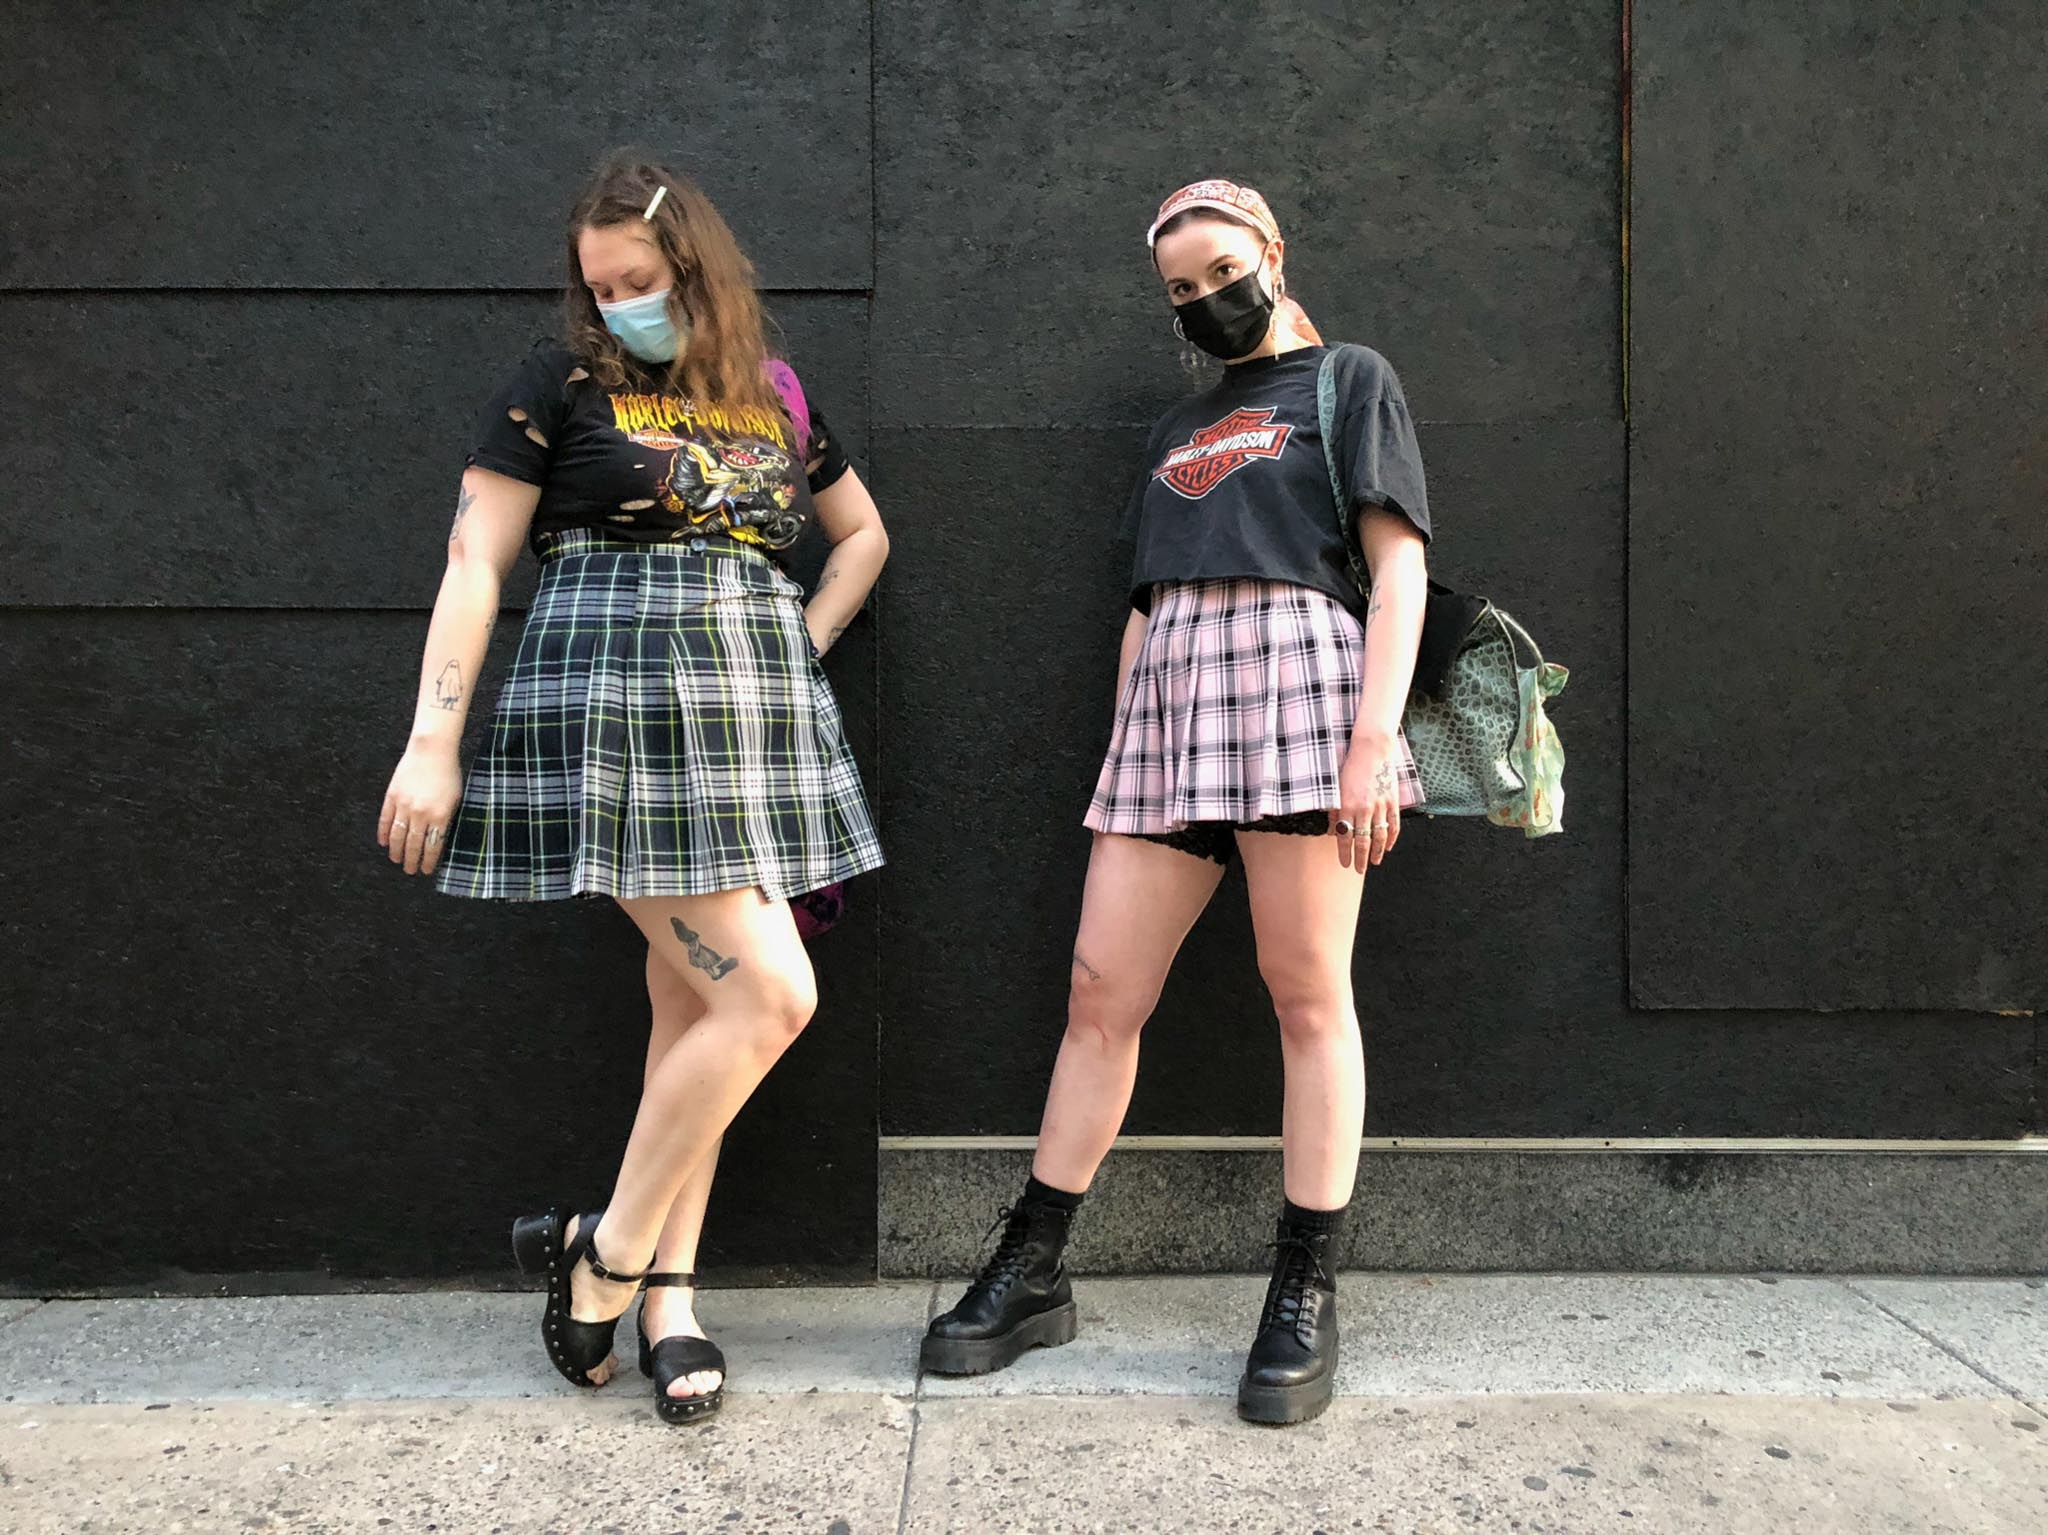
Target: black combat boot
x,y
1021,1300
1291,1372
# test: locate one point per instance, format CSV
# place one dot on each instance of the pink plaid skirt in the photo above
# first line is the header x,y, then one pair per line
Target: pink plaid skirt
x,y
1239,707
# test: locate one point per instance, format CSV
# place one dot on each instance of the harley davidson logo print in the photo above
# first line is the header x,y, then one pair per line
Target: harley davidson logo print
x,y
1219,450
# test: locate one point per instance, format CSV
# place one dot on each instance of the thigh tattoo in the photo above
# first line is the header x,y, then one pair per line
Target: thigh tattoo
x,y
702,956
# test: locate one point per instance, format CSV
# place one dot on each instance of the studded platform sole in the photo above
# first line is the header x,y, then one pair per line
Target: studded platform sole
x,y
671,1359
540,1245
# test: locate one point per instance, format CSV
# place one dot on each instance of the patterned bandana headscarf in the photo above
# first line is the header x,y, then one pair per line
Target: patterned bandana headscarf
x,y
1224,197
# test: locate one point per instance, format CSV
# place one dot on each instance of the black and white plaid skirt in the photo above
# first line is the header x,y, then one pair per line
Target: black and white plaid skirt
x,y
666,730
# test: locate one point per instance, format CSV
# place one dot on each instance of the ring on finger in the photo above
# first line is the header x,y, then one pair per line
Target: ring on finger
x,y
400,825
1346,829
433,835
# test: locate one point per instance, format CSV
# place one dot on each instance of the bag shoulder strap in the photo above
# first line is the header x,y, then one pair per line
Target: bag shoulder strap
x,y
1528,654
1326,418
784,378
1449,617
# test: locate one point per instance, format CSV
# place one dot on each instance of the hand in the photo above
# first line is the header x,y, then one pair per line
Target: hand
x,y
1367,823
419,805
822,643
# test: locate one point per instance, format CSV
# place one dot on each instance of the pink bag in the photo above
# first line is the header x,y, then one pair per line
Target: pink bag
x,y
815,911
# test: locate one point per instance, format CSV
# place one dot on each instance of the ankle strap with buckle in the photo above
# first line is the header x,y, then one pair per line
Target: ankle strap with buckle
x,y
586,1238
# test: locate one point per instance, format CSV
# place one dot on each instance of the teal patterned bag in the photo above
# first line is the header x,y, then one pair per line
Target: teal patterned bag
x,y
1474,719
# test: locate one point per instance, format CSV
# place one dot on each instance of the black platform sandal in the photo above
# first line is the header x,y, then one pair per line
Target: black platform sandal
x,y
540,1246
672,1358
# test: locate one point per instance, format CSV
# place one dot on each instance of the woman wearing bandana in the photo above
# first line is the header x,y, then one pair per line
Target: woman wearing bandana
x,y
666,738
1258,717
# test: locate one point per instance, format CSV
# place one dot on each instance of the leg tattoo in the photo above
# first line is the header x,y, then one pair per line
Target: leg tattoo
x,y
702,955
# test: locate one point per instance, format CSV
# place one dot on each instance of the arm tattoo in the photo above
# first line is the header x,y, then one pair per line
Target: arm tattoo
x,y
463,503
702,955
833,638
448,687
1093,973
1372,612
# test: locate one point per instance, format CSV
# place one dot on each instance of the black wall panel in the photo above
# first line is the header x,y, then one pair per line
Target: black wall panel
x,y
1004,605
1838,470
264,144
267,449
240,1041
1446,178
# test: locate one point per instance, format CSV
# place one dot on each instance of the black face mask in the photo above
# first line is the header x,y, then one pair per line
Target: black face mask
x,y
1232,321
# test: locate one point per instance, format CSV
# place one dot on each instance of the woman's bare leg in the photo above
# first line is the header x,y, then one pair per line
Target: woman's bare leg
x,y
1140,900
670,1311
740,955
1305,914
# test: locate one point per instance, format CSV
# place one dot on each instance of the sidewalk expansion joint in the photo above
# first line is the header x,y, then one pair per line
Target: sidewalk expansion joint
x,y
1944,1346
931,1309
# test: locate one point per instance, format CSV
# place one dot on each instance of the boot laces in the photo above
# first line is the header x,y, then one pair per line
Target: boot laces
x,y
1299,1269
1011,1254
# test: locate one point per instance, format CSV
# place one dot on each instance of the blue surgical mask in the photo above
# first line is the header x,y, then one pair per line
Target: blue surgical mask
x,y
643,326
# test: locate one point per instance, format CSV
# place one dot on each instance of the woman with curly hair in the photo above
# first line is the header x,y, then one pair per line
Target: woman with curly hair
x,y
666,738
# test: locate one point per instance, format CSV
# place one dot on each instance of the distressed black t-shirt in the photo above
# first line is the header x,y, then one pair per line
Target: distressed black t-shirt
x,y
645,464
1235,485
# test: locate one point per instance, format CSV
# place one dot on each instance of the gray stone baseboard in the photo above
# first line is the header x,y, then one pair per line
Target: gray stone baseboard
x,y
1475,1211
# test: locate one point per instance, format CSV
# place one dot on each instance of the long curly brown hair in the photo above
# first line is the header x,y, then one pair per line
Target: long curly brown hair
x,y
713,292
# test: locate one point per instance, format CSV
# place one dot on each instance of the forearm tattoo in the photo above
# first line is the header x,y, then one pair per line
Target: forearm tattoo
x,y
702,955
1082,964
448,687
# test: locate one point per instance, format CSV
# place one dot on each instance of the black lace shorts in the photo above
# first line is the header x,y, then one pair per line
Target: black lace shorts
x,y
1217,840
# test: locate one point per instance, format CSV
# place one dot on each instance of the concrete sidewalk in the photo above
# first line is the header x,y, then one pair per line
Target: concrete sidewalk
x,y
1513,1403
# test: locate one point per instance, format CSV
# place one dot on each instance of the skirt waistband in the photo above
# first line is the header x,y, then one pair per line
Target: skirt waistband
x,y
565,542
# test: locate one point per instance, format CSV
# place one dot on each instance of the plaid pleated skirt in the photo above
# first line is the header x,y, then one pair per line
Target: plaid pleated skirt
x,y
1239,706
666,730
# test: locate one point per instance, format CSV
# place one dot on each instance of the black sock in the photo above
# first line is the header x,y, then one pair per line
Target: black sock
x,y
1036,1193
1313,1222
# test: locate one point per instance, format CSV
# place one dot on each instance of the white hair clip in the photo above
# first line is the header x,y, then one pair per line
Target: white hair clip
x,y
653,203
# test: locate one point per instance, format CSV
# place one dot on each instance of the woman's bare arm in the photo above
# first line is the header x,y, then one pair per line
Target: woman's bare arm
x,y
860,547
1396,556
1367,786
492,515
